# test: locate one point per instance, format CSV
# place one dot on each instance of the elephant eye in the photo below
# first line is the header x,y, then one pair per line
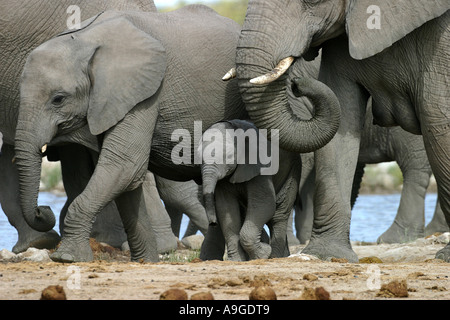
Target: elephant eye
x,y
58,99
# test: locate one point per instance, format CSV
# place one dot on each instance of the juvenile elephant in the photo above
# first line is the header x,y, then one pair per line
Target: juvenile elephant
x,y
134,79
234,184
24,26
394,51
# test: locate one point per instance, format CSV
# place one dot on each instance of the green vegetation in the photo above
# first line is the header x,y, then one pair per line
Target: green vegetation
x,y
180,256
51,177
233,9
382,179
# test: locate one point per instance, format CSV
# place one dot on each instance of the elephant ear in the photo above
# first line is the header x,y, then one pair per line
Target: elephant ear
x,y
247,168
127,67
374,25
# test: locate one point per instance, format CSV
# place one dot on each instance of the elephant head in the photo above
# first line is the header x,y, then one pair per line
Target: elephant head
x,y
277,33
91,77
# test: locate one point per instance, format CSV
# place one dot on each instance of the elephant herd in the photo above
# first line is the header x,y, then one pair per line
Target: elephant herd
x,y
312,93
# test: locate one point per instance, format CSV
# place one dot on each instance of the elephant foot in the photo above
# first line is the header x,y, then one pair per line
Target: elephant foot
x,y
263,252
326,249
73,251
400,234
434,227
444,254
259,251
39,240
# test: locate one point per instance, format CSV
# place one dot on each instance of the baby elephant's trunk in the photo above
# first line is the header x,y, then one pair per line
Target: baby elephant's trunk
x,y
209,177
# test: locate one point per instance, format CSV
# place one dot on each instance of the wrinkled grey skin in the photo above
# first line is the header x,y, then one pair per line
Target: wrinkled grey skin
x,y
143,88
378,145
406,76
39,21
131,87
240,200
183,197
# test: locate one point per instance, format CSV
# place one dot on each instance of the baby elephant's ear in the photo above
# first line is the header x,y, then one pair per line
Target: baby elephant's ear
x,y
246,145
126,68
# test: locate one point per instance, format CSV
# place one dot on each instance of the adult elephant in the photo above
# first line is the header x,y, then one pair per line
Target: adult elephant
x,y
379,145
383,55
23,27
135,78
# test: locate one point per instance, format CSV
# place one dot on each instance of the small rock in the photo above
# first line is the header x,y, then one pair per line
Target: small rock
x,y
322,294
53,293
318,293
35,255
263,293
234,282
202,296
341,260
310,277
174,294
371,259
394,289
6,255
303,256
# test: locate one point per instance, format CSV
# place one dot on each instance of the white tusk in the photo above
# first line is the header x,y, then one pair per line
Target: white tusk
x,y
44,148
273,75
230,75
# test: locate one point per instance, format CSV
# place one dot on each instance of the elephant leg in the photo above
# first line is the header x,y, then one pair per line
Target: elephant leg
x,y
9,200
121,168
213,246
437,223
261,206
437,143
138,226
175,219
335,166
409,223
77,166
159,216
304,211
285,200
229,218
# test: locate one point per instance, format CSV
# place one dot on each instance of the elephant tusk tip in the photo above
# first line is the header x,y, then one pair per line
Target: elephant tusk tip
x,y
13,160
44,148
276,73
230,75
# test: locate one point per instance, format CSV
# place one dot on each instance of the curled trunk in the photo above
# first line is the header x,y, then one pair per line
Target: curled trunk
x,y
268,107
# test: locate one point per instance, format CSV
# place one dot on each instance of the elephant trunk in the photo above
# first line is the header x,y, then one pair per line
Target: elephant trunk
x,y
210,178
29,161
267,103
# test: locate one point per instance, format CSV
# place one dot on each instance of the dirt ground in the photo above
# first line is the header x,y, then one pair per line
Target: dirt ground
x,y
293,278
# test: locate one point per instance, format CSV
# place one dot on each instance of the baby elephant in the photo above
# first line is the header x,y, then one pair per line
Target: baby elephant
x,y
248,182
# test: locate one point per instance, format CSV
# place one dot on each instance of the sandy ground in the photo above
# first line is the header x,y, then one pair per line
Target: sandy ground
x,y
413,275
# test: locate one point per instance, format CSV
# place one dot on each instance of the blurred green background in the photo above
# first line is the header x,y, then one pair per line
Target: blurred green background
x,y
233,9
